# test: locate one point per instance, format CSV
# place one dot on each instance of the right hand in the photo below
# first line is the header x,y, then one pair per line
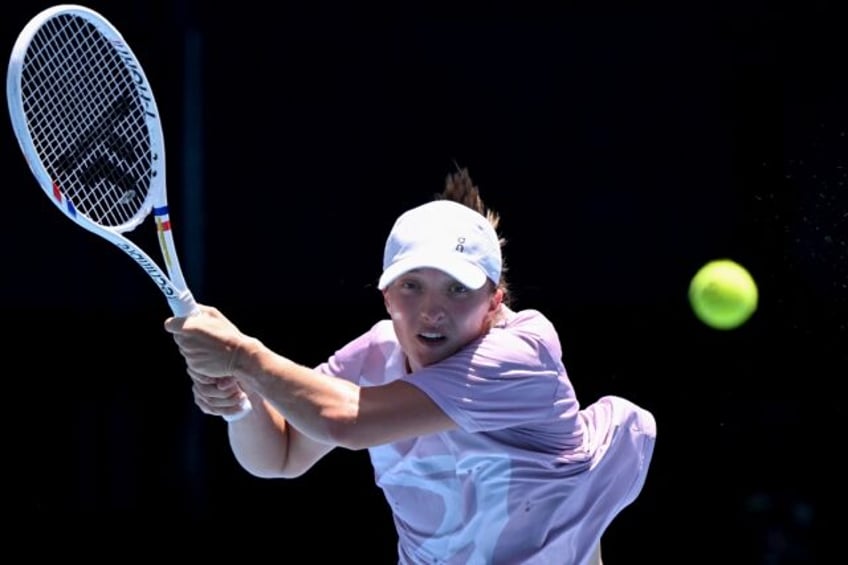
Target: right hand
x,y
209,343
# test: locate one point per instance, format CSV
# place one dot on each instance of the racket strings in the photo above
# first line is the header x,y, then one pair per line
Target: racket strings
x,y
87,121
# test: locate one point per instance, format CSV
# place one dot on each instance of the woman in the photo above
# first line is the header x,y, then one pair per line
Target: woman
x,y
472,425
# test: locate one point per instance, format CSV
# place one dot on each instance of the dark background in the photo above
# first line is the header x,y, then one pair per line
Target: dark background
x,y
623,149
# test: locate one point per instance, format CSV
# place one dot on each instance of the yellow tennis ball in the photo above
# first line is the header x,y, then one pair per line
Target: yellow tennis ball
x,y
723,294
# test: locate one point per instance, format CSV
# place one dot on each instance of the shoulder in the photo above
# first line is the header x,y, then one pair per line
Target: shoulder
x,y
528,327
379,335
384,329
383,334
529,320
366,356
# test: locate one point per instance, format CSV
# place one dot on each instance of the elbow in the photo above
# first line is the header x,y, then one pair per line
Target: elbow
x,y
346,434
287,472
341,420
262,473
280,466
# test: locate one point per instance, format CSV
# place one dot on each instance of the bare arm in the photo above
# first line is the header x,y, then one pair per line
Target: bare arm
x,y
333,411
262,441
300,413
266,446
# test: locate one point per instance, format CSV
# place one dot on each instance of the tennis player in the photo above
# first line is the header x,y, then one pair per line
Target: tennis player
x,y
473,427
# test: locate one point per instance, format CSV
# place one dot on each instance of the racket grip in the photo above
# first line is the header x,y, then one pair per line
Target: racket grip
x,y
246,407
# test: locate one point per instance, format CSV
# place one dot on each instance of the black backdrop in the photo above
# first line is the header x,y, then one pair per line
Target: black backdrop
x,y
623,151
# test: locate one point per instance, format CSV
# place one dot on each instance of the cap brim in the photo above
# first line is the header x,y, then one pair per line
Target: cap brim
x,y
466,273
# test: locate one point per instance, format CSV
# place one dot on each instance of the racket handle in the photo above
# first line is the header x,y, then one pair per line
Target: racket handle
x,y
246,407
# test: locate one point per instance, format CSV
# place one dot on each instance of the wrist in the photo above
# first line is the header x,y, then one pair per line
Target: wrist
x,y
244,360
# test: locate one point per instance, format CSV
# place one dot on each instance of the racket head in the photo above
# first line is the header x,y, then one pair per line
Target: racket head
x,y
86,119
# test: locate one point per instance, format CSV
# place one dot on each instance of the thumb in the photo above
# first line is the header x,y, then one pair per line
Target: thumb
x,y
174,324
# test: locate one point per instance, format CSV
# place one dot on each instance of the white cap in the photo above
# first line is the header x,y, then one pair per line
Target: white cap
x,y
447,236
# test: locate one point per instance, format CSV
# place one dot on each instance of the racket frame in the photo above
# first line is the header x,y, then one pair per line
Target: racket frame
x,y
170,282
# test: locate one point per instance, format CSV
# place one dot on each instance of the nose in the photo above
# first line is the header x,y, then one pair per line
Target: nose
x,y
432,309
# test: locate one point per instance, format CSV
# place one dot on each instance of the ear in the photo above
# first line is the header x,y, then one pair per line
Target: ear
x,y
495,300
386,302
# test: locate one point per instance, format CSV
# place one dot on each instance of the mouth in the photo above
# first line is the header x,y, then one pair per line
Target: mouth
x,y
431,338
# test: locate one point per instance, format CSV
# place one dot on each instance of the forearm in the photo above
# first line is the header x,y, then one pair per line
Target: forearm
x,y
267,446
318,405
259,441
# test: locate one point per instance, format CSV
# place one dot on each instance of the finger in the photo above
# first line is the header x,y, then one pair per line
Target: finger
x,y
174,324
229,406
213,392
227,384
185,342
198,377
210,311
182,345
204,406
222,383
219,388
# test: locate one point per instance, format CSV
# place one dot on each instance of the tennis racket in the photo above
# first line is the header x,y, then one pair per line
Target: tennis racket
x,y
87,123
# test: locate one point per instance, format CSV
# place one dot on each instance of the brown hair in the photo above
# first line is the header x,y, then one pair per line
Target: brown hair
x,y
460,188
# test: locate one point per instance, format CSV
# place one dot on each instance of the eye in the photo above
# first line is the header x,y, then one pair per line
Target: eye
x,y
458,288
408,284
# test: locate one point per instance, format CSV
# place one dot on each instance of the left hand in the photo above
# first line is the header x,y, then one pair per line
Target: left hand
x,y
217,397
208,341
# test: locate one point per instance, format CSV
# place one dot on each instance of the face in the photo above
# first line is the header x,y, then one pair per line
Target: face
x,y
435,316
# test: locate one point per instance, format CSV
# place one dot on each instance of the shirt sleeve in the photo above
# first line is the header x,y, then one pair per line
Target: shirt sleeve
x,y
509,377
363,359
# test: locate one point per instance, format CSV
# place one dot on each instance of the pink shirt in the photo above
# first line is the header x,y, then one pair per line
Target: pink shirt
x,y
528,477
